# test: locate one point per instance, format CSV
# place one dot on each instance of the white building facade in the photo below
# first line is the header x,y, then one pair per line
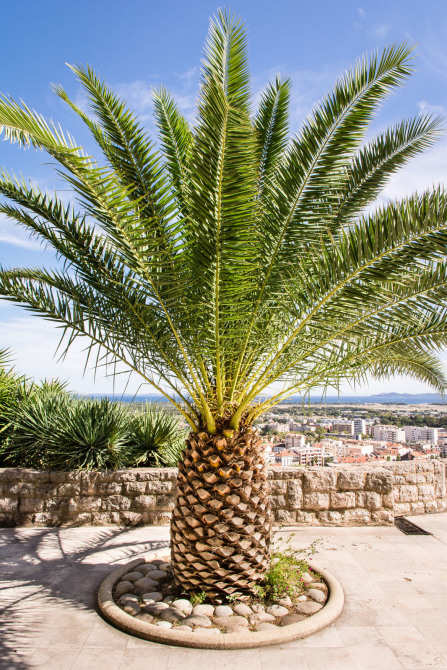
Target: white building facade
x,y
389,433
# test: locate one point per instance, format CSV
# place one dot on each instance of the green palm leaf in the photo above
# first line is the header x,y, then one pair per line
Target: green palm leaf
x,y
234,257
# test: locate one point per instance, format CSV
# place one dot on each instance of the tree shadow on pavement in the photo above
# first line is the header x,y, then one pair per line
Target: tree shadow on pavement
x,y
44,568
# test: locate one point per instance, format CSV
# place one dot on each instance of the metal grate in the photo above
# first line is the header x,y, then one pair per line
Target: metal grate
x,y
408,527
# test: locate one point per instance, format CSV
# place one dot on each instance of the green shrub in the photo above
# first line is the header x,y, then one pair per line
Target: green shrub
x,y
155,439
90,435
48,428
287,569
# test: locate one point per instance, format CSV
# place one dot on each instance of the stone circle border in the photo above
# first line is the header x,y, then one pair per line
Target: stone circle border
x,y
127,623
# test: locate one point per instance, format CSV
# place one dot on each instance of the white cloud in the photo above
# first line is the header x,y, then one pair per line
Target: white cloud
x,y
380,30
13,234
426,170
427,108
33,343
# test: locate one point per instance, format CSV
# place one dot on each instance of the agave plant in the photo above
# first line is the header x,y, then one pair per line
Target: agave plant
x,y
154,438
234,257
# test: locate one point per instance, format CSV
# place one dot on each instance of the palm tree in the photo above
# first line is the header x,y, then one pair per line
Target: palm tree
x,y
231,258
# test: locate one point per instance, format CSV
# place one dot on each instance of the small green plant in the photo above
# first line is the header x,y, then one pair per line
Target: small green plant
x,y
234,597
288,569
197,598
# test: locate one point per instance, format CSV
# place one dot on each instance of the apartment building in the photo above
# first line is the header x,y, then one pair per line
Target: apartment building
x,y
295,440
389,433
417,434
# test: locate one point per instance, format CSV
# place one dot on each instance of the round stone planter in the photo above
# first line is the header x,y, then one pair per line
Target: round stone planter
x,y
117,617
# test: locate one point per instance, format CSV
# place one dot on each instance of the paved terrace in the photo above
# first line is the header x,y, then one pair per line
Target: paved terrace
x,y
395,613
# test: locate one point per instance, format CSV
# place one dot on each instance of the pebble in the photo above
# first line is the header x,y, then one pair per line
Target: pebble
x,y
152,597
128,598
285,601
302,599
257,607
309,607
157,562
243,610
228,621
156,608
168,599
132,608
307,577
196,620
266,626
203,610
317,595
261,617
146,568
235,629
144,616
184,629
123,587
320,586
132,577
223,610
145,585
164,624
277,611
164,566
183,605
291,618
214,631
171,614
158,575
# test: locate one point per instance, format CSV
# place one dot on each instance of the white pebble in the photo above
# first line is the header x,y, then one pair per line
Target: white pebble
x,y
164,624
223,610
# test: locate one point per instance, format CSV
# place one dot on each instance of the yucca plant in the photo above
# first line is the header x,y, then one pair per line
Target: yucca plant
x,y
233,257
12,387
34,418
154,438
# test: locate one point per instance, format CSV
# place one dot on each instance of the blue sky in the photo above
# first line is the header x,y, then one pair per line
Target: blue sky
x,y
138,44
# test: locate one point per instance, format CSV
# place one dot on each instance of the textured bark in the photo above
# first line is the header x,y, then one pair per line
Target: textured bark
x,y
221,524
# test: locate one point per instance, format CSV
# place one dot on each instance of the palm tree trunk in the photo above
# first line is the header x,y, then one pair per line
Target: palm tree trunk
x,y
221,524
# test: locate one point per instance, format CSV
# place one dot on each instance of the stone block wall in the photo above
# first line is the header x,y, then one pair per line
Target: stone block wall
x,y
339,496
357,494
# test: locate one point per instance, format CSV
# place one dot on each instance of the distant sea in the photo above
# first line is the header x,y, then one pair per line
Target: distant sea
x,y
386,398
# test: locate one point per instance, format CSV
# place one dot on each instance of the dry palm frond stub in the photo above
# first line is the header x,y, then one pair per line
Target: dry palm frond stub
x,y
149,594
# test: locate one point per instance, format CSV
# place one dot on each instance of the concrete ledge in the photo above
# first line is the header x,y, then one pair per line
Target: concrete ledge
x,y
117,617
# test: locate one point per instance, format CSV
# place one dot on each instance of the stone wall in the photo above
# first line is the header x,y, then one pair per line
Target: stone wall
x,y
343,495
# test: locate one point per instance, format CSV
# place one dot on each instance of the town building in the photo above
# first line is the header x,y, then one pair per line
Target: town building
x,y
389,433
